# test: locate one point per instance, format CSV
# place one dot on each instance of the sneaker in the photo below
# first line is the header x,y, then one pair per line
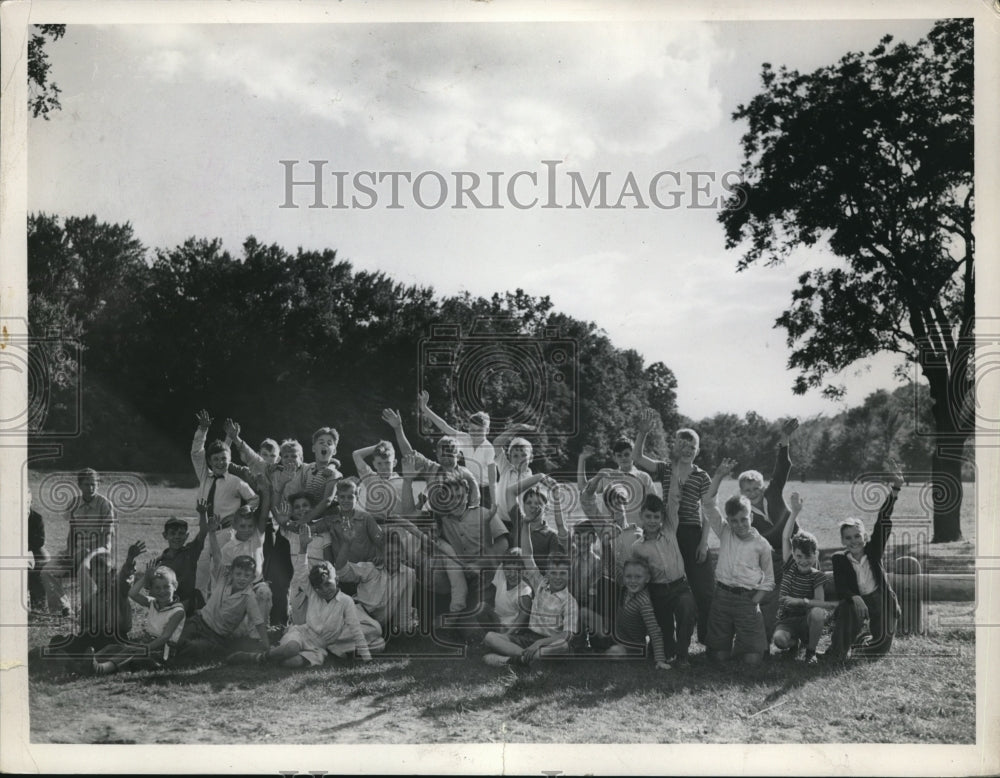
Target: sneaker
x,y
812,659
66,612
496,660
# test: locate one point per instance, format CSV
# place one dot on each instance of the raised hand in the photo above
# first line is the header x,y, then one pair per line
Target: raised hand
x,y
231,428
788,428
214,523
588,451
135,549
423,400
796,502
549,483
896,480
201,506
204,420
647,420
392,418
725,467
408,466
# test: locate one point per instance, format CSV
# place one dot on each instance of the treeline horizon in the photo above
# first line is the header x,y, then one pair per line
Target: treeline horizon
x,y
130,342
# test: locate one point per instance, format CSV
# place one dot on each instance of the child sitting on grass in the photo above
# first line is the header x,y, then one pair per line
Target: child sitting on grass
x,y
182,557
384,589
862,584
635,619
164,624
247,541
333,625
743,576
553,620
802,605
212,630
105,613
511,596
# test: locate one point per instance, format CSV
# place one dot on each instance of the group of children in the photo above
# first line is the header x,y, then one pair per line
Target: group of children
x,y
293,562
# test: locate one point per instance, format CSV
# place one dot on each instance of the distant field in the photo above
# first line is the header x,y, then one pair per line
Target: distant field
x,y
144,503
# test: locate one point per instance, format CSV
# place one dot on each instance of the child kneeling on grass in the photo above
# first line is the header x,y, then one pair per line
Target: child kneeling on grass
x,y
802,605
862,585
554,614
164,624
213,629
334,625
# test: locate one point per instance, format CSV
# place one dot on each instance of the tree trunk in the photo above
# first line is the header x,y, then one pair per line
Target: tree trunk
x,y
946,489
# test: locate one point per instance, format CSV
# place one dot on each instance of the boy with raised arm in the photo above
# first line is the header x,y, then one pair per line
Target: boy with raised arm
x,y
743,576
553,620
182,557
769,512
319,478
513,460
668,589
225,495
691,502
802,605
637,483
478,452
862,585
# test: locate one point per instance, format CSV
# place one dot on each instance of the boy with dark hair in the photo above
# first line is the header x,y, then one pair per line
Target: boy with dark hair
x,y
182,557
226,495
319,479
686,494
553,620
743,576
802,605
669,592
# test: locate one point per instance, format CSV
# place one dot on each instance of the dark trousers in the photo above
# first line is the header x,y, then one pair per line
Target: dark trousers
x,y
36,589
674,606
880,611
278,572
700,576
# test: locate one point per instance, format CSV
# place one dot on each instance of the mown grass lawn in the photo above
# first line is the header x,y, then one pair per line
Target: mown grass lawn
x,y
924,692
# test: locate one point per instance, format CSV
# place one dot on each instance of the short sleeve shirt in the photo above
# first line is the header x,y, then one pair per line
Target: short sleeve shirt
x,y
478,458
795,583
553,613
692,491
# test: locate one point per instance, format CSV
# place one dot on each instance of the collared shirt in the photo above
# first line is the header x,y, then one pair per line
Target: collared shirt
x,y
376,584
469,534
230,490
863,569
507,603
663,556
226,609
336,623
90,521
744,563
553,613
638,484
457,477
380,496
478,458
508,476
358,531
252,547
314,479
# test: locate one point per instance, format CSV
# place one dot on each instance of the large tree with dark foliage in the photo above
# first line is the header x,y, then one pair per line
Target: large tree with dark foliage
x,y
872,158
43,93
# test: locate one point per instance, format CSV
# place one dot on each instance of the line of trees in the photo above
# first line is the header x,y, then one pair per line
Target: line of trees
x,y
290,341
287,342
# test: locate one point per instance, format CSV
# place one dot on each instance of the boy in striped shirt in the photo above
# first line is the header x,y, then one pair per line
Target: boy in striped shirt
x,y
802,605
635,618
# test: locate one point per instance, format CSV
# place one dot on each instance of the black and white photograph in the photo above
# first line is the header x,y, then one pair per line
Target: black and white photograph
x,y
499,388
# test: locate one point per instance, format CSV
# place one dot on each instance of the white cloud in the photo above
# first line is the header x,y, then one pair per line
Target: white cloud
x,y
445,93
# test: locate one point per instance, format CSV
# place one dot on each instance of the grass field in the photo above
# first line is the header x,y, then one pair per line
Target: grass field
x,y
924,692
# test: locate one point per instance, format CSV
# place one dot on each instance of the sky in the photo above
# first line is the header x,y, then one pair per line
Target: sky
x,y
181,131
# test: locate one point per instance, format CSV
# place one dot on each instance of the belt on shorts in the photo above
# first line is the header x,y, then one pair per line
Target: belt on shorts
x,y
671,584
734,589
